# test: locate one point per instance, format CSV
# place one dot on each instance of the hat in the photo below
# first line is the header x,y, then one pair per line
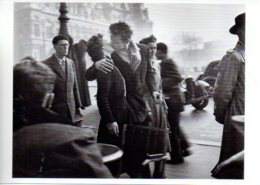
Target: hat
x,y
239,21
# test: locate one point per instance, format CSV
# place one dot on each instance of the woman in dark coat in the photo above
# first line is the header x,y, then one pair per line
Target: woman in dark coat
x,y
111,96
170,84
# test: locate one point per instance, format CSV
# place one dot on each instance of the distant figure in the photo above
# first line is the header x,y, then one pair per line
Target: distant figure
x,y
170,85
42,147
67,99
229,97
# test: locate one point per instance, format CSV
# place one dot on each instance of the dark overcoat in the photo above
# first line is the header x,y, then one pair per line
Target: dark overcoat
x,y
135,81
170,85
111,101
66,91
57,151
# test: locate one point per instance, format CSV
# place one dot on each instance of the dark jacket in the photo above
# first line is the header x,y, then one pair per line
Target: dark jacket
x,y
56,151
111,101
66,91
136,81
170,84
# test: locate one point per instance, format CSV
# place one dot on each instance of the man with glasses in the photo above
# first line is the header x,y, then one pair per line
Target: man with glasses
x,y
67,98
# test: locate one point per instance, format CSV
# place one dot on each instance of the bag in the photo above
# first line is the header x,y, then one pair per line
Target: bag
x,y
145,139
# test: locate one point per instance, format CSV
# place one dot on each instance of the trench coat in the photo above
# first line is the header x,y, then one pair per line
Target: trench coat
x,y
67,98
229,99
53,150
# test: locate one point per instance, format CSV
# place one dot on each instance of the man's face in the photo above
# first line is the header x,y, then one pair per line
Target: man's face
x,y
62,48
116,42
241,33
159,55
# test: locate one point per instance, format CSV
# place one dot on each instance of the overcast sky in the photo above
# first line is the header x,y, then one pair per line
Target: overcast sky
x,y
211,22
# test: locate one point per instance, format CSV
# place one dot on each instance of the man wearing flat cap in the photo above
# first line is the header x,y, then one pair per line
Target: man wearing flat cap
x,y
229,99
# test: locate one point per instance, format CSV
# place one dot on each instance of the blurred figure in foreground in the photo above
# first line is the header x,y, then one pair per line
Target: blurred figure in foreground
x,y
171,90
42,147
229,97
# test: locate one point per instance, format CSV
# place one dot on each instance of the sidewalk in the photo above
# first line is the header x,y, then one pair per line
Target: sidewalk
x,y
196,166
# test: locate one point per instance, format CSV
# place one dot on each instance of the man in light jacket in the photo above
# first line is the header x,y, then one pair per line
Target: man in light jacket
x,y
229,97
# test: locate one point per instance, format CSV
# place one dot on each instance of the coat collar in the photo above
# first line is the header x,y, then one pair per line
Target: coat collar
x,y
56,66
136,55
240,47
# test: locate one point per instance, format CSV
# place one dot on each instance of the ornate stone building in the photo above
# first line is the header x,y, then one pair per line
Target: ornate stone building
x,y
35,24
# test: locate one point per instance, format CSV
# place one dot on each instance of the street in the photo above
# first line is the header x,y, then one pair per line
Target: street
x,y
200,127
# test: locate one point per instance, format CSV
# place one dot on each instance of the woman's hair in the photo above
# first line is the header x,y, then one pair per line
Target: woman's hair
x,y
32,80
150,39
95,47
122,29
163,47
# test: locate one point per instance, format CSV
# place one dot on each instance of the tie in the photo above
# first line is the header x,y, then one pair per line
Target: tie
x,y
63,65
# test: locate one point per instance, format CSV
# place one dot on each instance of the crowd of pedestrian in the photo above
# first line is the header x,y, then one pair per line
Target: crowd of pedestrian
x,y
137,89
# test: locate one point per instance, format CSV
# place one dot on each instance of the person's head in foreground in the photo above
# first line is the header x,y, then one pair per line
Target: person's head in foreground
x,y
33,86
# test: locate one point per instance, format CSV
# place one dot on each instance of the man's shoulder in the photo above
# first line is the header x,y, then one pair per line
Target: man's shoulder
x,y
168,61
234,54
48,60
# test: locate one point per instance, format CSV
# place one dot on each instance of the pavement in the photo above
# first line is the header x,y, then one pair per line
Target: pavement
x,y
203,132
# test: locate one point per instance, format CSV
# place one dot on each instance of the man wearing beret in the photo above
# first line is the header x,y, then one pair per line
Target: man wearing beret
x,y
229,98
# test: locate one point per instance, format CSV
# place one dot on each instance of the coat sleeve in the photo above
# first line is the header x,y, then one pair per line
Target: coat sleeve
x,y
91,73
226,82
103,92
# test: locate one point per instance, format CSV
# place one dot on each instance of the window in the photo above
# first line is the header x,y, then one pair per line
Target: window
x,y
36,30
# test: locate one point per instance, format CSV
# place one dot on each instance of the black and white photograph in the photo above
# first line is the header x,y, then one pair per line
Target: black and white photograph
x,y
128,92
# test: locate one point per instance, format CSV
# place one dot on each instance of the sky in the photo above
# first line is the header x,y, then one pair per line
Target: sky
x,y
211,22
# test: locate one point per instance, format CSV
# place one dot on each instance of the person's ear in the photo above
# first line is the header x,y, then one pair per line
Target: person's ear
x,y
48,100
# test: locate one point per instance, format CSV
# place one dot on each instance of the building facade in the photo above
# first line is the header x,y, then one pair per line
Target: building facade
x,y
35,24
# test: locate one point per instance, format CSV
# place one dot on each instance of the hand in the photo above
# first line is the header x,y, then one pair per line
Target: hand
x,y
157,97
113,128
104,65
